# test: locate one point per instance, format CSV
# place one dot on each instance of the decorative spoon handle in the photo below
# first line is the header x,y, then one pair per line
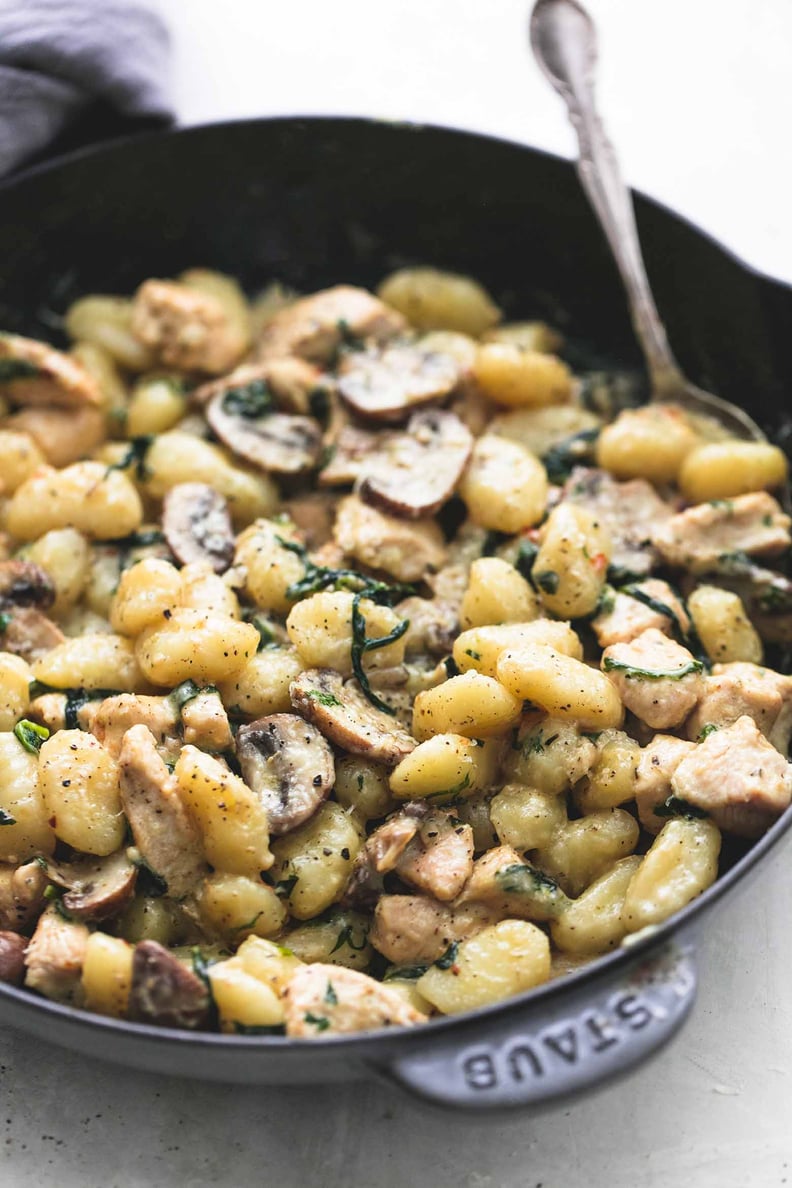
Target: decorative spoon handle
x,y
565,45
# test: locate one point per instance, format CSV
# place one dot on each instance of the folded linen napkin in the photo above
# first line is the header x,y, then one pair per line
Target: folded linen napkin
x,y
72,71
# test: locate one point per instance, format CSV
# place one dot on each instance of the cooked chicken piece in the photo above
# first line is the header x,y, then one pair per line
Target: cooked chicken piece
x,y
414,473
163,830
405,550
637,611
292,383
380,855
656,766
24,584
657,679
416,930
28,633
630,511
698,538
434,625
313,514
12,958
324,1000
350,451
163,991
115,715
34,373
54,957
21,894
347,718
387,384
439,859
96,888
315,327
511,888
186,328
734,690
289,766
205,722
62,435
197,525
736,777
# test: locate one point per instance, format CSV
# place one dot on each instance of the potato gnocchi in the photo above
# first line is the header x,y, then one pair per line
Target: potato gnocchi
x,y
362,661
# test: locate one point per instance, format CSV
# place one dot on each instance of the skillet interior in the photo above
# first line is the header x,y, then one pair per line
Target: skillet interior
x,y
312,202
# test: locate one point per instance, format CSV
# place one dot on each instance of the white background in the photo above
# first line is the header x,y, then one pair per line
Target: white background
x,y
695,93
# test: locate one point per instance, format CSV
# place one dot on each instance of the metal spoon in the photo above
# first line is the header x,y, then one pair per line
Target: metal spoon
x,y
565,44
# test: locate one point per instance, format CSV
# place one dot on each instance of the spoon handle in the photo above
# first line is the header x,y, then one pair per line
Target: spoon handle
x,y
564,43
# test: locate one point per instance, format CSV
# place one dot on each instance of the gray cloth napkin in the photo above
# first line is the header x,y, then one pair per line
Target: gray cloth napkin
x,y
76,70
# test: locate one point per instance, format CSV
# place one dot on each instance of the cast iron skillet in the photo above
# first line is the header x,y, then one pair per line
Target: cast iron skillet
x,y
313,202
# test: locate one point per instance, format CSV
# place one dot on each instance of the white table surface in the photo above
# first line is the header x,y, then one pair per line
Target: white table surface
x,y
695,93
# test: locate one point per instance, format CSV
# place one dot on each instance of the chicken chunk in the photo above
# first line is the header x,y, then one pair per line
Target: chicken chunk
x,y
656,766
700,537
439,858
416,930
639,608
12,958
21,894
510,887
34,373
205,722
657,679
407,550
323,1000
54,958
734,690
434,625
186,328
163,831
630,511
314,327
114,716
736,777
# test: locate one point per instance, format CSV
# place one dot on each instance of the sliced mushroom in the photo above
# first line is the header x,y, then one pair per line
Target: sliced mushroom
x,y
163,831
197,525
385,385
12,958
414,473
97,888
273,441
351,449
21,894
315,327
288,765
35,373
24,584
345,716
163,991
331,1000
291,381
28,633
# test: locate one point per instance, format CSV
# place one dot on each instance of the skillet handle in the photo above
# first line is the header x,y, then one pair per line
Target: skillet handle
x,y
570,1043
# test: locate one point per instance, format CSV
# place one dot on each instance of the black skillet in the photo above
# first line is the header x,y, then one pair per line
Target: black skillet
x,y
313,202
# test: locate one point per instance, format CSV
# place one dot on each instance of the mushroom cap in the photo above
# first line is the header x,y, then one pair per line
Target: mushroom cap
x,y
412,474
197,525
289,765
275,442
385,385
345,716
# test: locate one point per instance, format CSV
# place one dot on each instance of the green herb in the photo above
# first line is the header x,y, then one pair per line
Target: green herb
x,y
526,556
606,601
330,996
767,520
561,459
200,966
328,699
676,806
320,1022
547,581
450,793
528,882
5,621
405,973
14,369
136,456
449,957
349,340
347,937
536,743
592,735
473,655
706,731
31,735
148,883
186,691
361,645
723,504
451,666
6,818
492,542
140,540
634,673
251,400
266,634
248,924
319,405
659,607
75,700
285,887
259,1029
